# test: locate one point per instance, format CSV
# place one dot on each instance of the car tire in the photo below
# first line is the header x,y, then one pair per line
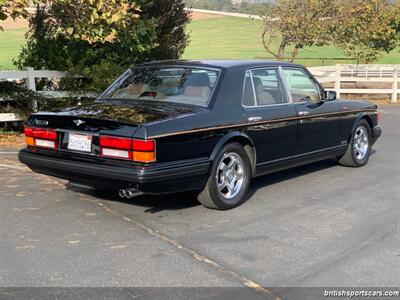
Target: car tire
x,y
229,179
359,148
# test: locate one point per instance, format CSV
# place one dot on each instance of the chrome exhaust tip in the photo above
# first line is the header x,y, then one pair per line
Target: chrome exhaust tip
x,y
129,194
122,193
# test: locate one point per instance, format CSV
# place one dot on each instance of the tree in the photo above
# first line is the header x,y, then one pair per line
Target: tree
x,y
367,28
170,18
92,21
13,9
297,24
362,29
99,39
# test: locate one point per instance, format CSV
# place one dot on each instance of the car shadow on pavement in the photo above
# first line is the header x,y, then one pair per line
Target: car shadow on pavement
x,y
152,203
288,174
274,178
158,203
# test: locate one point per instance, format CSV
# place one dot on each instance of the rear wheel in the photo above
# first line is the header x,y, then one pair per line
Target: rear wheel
x,y
359,149
229,179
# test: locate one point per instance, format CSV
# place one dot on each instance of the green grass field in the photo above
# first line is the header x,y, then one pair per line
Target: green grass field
x,y
238,38
11,42
214,38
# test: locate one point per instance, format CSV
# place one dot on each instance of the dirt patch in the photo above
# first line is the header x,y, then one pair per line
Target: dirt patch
x,y
10,24
202,16
12,140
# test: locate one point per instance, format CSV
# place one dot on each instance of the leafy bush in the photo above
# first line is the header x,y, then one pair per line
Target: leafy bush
x,y
157,31
17,99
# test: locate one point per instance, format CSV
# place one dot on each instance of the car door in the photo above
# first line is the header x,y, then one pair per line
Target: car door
x,y
269,114
319,121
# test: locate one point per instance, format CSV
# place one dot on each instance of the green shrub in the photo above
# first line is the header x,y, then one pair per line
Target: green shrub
x,y
157,33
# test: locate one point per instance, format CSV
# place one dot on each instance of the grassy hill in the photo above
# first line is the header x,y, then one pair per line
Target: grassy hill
x,y
211,38
239,38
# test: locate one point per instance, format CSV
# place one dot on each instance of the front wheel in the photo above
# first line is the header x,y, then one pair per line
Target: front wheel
x,y
229,179
359,149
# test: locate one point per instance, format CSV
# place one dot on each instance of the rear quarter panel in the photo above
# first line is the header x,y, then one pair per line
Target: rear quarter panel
x,y
195,136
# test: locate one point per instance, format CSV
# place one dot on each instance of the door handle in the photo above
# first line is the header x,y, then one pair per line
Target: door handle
x,y
254,119
304,113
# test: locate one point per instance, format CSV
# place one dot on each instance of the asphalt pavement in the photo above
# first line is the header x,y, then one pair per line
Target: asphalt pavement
x,y
320,225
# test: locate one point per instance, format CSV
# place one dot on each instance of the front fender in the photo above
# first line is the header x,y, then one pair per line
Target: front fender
x,y
360,116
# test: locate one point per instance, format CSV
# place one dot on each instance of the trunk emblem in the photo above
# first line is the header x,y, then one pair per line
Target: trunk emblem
x,y
79,122
39,122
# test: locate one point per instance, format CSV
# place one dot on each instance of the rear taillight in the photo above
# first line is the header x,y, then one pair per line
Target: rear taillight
x,y
115,142
115,147
144,146
144,151
378,116
123,148
41,137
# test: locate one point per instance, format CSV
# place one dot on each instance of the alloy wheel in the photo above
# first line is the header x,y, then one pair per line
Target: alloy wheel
x,y
230,175
361,143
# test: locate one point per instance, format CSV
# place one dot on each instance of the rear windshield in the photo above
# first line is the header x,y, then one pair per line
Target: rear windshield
x,y
186,85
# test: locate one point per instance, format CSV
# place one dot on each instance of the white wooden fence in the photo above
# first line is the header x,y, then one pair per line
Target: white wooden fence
x,y
29,75
372,75
336,75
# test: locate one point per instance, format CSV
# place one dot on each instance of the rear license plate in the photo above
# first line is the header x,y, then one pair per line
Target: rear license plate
x,y
80,142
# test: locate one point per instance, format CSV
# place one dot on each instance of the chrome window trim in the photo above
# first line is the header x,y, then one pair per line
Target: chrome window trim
x,y
302,102
267,105
279,77
254,88
286,85
243,89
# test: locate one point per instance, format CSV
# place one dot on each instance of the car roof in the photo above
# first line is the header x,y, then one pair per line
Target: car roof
x,y
225,64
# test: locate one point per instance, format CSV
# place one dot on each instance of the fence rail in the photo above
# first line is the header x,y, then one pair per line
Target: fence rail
x,y
387,74
29,75
336,75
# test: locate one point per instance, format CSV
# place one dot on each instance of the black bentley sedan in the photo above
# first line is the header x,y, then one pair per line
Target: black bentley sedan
x,y
202,126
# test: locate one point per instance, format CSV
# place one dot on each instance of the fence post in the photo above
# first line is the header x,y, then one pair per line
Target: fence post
x,y
31,84
337,79
395,84
30,79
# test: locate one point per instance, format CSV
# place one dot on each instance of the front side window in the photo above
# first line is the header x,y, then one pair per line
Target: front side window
x,y
185,85
263,87
301,86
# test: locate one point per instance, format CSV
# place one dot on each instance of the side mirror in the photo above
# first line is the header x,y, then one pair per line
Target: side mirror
x,y
330,95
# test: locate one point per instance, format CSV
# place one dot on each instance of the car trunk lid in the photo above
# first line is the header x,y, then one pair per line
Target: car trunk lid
x,y
106,114
78,128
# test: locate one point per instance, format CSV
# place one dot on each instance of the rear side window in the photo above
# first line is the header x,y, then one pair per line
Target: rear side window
x,y
263,87
248,93
301,86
